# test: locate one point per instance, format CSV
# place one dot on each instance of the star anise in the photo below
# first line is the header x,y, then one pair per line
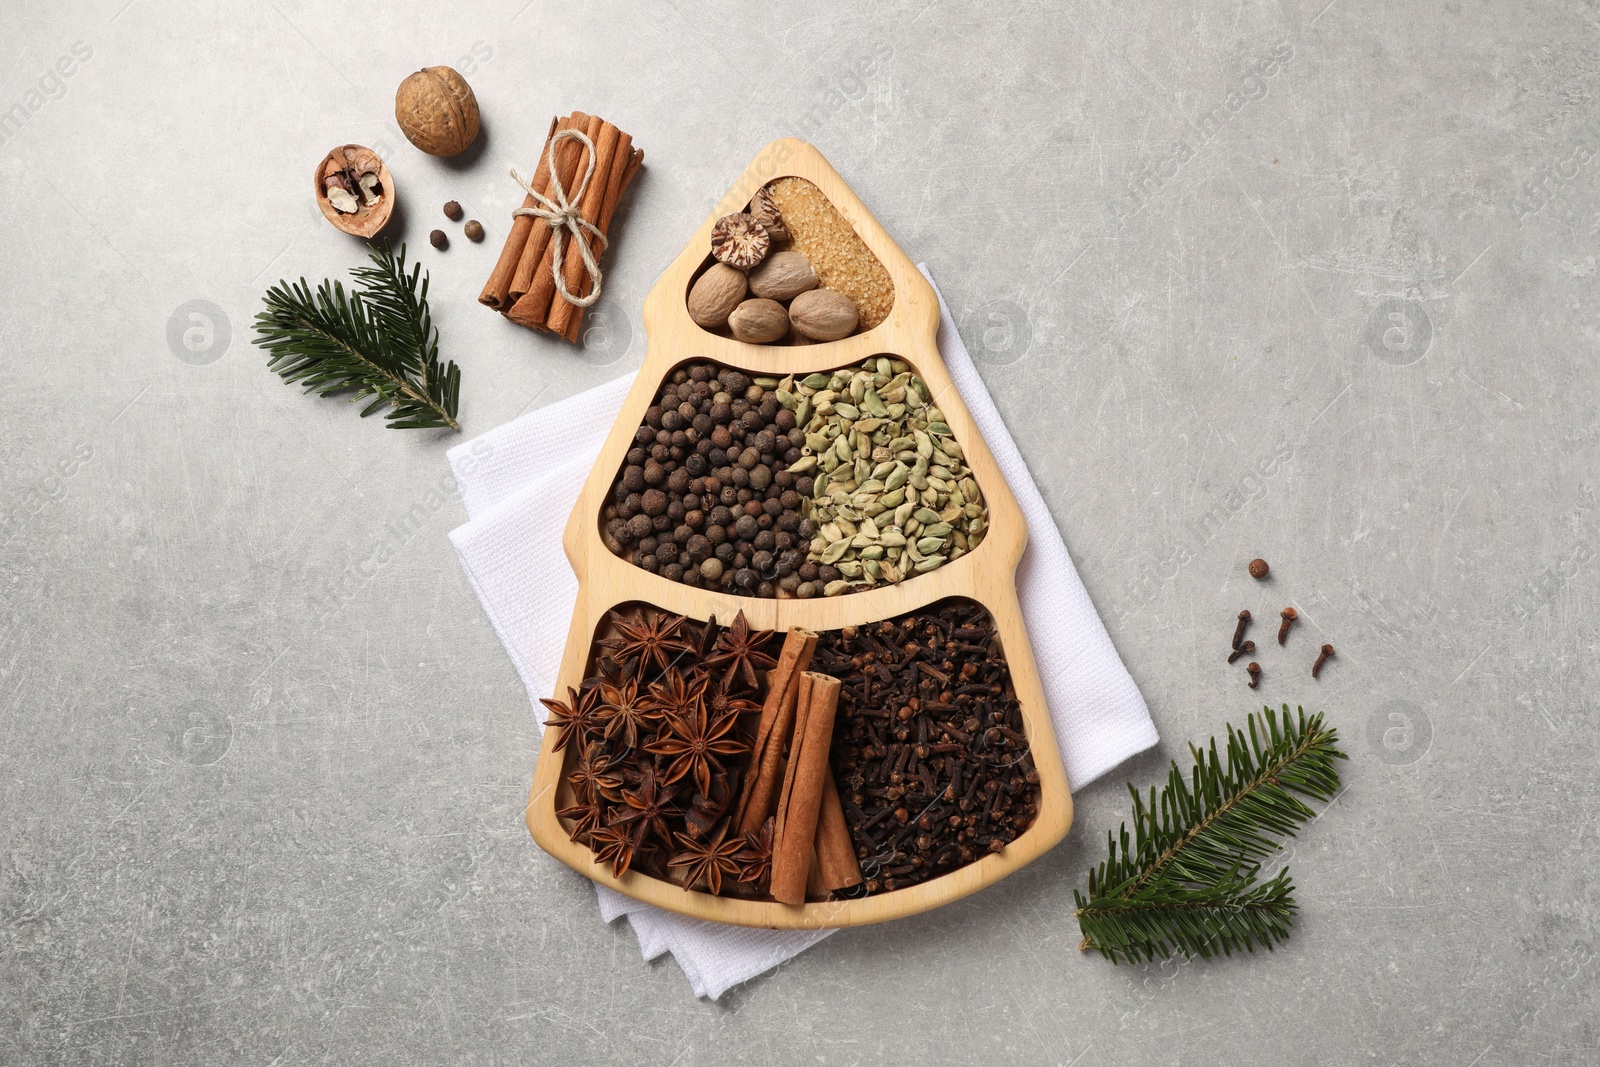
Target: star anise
x,y
623,711
707,809
721,702
613,845
706,643
574,718
739,650
594,777
693,743
755,858
647,638
586,816
645,812
706,860
677,695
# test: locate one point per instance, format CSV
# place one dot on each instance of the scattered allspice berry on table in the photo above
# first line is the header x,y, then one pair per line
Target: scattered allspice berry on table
x,y
474,230
452,211
1259,569
438,240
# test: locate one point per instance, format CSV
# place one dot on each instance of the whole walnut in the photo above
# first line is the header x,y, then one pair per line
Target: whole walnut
x,y
437,111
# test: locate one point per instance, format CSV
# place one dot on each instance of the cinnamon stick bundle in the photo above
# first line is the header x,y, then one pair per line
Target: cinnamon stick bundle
x,y
535,283
761,781
523,284
801,801
497,291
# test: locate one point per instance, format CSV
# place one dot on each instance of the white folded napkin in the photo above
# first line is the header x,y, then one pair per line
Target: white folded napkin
x,y
519,483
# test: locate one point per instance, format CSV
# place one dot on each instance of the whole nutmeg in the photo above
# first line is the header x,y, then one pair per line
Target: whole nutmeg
x,y
759,321
473,229
437,111
764,211
824,315
438,240
739,241
715,294
783,276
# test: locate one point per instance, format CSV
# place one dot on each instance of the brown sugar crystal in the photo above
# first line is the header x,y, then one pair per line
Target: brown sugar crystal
x,y
841,259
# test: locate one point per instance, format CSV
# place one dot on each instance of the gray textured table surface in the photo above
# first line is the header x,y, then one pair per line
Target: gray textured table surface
x,y
1341,315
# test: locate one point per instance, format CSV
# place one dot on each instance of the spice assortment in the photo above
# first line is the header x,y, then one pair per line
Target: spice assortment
x,y
714,759
833,771
548,271
811,281
929,753
837,482
842,260
677,749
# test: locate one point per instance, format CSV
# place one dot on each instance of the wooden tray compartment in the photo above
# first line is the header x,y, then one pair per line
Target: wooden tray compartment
x,y
629,552
987,576
552,793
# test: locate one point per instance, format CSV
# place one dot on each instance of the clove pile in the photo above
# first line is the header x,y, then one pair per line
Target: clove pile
x,y
929,751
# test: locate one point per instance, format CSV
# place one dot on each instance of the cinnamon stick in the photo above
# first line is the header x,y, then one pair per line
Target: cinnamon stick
x,y
803,787
539,236
497,291
533,307
625,165
606,162
761,781
836,854
802,709
606,213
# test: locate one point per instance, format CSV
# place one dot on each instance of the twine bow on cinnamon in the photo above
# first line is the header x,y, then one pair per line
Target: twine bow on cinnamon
x,y
564,218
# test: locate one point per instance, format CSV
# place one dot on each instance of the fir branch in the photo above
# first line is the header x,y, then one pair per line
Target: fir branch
x,y
379,341
1186,882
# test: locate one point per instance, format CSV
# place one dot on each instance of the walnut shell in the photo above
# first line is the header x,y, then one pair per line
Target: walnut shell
x,y
715,294
824,315
783,276
437,111
739,241
759,321
358,172
766,212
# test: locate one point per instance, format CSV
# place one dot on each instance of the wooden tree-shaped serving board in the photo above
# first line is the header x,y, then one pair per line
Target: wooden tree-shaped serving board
x,y
986,575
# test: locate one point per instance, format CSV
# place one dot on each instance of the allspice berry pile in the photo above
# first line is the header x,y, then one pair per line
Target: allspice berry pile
x,y
704,496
